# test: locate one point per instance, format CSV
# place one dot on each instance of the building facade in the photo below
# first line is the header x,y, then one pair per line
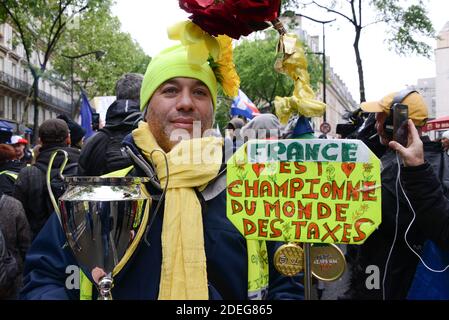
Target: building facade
x,y
442,73
339,102
436,90
15,84
426,87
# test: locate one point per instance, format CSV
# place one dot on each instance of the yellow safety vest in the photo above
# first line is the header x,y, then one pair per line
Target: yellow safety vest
x,y
258,272
10,173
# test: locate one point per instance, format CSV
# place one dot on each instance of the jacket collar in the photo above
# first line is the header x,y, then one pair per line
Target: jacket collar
x,y
215,186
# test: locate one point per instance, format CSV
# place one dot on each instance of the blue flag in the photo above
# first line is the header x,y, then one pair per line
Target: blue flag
x,y
86,115
242,106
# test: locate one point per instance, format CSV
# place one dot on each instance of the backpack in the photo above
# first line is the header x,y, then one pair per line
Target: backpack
x,y
57,184
115,157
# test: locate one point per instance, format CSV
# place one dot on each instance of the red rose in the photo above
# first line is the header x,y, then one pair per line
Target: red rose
x,y
257,10
231,17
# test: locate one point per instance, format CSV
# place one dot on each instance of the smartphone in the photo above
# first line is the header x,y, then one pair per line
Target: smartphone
x,y
400,126
95,121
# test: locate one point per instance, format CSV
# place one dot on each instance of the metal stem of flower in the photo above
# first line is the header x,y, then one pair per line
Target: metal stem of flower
x,y
277,24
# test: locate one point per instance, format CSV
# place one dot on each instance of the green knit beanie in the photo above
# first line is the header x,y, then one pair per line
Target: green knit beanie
x,y
172,63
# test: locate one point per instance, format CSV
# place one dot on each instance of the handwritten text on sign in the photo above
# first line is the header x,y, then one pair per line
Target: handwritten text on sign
x,y
311,200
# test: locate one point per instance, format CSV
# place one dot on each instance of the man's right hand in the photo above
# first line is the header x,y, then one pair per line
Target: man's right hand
x,y
413,155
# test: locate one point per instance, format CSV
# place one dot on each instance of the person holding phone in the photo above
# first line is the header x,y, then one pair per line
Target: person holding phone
x,y
386,249
431,206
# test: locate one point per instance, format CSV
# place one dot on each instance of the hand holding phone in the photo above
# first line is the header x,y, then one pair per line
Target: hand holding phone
x,y
400,127
413,155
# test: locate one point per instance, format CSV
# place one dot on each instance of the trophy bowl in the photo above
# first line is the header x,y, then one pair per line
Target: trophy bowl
x,y
101,218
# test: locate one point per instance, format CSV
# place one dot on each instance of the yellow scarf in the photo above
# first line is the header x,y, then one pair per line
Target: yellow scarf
x,y
191,163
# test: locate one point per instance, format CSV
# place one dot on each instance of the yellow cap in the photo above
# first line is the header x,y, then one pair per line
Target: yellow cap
x,y
417,108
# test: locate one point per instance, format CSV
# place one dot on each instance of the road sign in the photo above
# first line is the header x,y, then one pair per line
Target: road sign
x,y
325,127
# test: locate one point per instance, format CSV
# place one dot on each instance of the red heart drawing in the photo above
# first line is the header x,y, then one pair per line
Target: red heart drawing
x,y
347,168
258,168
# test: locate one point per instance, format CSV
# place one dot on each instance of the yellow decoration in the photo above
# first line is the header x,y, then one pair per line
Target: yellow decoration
x,y
201,46
227,76
198,42
294,64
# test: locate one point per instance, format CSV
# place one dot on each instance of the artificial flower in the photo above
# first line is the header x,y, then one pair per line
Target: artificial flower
x,y
225,71
303,102
257,10
233,18
202,47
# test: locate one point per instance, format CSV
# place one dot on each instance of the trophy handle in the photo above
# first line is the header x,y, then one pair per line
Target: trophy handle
x,y
61,170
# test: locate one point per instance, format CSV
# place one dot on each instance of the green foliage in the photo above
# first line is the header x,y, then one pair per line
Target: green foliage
x,y
409,25
100,31
315,68
38,26
254,62
222,112
73,28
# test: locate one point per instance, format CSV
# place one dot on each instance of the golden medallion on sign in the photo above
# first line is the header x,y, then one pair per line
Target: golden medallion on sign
x,y
289,259
328,261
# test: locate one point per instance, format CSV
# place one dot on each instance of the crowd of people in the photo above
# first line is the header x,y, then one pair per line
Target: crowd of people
x,y
210,259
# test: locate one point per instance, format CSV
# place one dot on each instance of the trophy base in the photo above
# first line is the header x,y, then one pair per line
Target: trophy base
x,y
104,288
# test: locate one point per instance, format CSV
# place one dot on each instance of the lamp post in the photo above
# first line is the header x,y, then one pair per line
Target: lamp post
x,y
98,55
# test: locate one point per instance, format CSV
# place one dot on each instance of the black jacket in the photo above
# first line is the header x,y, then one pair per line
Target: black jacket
x,y
8,270
31,188
101,153
16,232
431,223
6,181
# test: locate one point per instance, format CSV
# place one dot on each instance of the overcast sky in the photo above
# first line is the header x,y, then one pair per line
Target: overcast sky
x,y
147,21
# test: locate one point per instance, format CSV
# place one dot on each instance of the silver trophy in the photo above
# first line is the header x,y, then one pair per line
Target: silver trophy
x,y
101,218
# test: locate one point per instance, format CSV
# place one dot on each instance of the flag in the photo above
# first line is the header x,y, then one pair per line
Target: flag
x,y
86,115
242,106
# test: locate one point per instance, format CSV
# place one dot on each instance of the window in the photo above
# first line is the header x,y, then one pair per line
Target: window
x,y
14,109
30,114
2,107
19,110
15,40
8,108
14,70
41,116
2,33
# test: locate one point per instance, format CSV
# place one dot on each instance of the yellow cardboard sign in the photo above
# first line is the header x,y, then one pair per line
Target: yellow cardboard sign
x,y
325,191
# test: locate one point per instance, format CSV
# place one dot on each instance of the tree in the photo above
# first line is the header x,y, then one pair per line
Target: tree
x,y
255,64
39,26
222,111
99,31
406,25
